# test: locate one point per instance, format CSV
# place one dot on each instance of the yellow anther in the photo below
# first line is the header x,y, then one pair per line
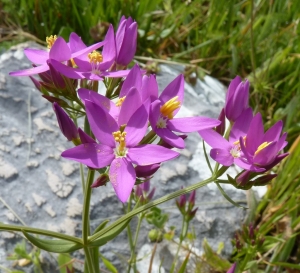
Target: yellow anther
x,y
50,40
237,143
262,146
120,138
95,57
169,107
120,101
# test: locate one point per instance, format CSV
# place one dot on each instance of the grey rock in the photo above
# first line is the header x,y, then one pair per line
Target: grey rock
x,y
45,189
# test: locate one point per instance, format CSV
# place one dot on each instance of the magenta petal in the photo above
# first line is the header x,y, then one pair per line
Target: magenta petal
x,y
87,50
247,166
122,176
222,156
136,127
192,124
30,71
36,56
273,134
60,50
150,154
148,170
175,88
266,155
102,124
149,88
84,137
133,79
154,113
116,74
232,87
76,43
171,138
241,126
91,154
109,50
281,142
102,101
69,72
215,140
255,134
131,103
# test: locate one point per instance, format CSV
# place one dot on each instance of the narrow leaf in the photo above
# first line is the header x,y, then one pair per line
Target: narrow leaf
x,y
56,246
109,265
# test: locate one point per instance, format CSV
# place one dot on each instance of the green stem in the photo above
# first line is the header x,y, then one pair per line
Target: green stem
x,y
150,205
181,238
148,138
129,234
86,223
82,177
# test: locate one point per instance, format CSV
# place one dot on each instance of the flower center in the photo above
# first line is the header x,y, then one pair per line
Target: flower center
x,y
169,107
95,57
119,137
262,146
162,122
50,40
120,101
236,149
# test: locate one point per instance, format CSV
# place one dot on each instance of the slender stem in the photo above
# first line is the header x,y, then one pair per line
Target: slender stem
x,y
82,177
90,266
179,245
148,138
129,234
150,205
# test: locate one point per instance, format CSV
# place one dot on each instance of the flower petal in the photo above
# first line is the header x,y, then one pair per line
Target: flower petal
x,y
36,56
122,177
60,50
192,124
273,134
76,43
133,79
214,139
266,155
91,154
241,126
73,73
149,88
255,134
131,103
171,138
150,154
84,137
175,88
30,71
102,124
136,127
222,156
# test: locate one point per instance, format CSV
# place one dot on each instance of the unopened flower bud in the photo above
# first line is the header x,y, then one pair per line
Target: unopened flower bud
x,y
100,181
56,77
155,235
264,180
221,128
232,269
36,83
145,171
66,125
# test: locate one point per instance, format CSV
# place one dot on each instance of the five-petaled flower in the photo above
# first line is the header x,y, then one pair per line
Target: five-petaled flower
x,y
163,110
118,148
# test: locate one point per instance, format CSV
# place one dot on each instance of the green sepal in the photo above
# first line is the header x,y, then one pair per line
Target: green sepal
x,y
56,246
228,198
101,226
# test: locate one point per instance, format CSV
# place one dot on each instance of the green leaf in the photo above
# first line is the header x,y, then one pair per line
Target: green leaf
x,y
56,246
110,234
184,264
109,265
101,226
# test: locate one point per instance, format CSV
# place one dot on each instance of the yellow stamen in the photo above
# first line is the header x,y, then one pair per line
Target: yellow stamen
x,y
50,40
169,107
120,138
95,57
262,146
120,101
238,141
